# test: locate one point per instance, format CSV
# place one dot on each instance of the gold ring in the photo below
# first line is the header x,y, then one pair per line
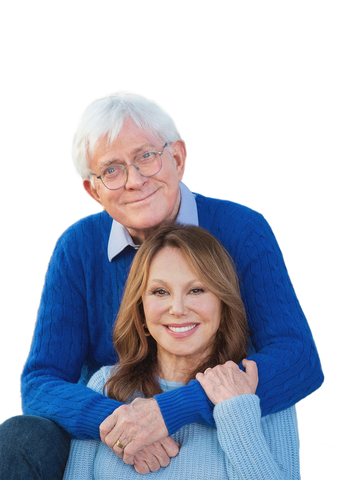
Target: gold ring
x,y
207,369
120,445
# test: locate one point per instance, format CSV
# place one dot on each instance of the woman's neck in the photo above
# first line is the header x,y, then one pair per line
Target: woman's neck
x,y
176,369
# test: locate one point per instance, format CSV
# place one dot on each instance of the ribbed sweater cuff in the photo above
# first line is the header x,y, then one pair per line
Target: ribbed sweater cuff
x,y
91,418
237,412
241,437
188,404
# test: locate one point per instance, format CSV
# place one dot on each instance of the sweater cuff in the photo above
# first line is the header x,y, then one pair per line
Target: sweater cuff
x,y
239,406
238,418
90,418
188,404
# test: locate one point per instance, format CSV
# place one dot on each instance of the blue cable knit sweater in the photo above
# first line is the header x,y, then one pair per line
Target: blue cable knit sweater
x,y
244,446
81,297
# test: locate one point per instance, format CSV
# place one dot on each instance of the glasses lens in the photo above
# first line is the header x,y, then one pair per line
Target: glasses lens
x,y
114,177
148,164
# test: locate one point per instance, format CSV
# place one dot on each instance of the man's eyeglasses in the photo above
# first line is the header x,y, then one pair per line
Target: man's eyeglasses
x,y
147,164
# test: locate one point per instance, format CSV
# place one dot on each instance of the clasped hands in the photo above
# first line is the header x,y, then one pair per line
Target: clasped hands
x,y
136,432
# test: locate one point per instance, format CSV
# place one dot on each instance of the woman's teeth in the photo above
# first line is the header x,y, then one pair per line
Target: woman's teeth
x,y
182,329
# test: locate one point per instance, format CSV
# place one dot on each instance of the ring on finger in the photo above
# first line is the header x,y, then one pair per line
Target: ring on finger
x,y
207,369
119,444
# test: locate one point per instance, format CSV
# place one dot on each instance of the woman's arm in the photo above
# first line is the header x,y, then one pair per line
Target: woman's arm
x,y
255,449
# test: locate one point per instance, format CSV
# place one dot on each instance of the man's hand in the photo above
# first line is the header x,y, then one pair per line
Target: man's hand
x,y
227,381
136,426
155,456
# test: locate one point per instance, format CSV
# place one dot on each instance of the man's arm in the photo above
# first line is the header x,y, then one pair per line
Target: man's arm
x,y
59,349
281,340
283,347
285,352
62,343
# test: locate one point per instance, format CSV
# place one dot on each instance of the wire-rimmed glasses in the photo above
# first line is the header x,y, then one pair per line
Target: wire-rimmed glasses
x,y
147,164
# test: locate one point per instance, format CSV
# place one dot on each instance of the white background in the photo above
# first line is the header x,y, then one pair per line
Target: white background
x,y
255,88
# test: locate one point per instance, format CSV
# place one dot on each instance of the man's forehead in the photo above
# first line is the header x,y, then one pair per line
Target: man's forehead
x,y
131,148
130,140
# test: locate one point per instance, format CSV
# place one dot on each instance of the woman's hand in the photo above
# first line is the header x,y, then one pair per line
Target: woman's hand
x,y
227,381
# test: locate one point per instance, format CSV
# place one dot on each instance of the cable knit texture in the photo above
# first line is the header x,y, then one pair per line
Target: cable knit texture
x,y
81,297
244,447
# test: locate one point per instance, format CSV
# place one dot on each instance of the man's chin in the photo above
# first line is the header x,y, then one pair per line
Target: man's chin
x,y
141,232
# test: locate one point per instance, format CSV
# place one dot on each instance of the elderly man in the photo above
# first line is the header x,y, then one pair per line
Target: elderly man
x,y
132,160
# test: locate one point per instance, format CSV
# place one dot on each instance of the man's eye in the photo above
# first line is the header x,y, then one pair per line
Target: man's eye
x,y
111,172
147,155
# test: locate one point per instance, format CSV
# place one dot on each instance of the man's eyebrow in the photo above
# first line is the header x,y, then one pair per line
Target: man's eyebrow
x,y
142,147
134,152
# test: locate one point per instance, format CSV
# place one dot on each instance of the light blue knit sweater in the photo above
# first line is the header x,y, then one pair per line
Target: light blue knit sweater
x,y
244,446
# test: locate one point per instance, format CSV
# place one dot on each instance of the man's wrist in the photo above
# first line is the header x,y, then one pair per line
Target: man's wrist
x,y
185,405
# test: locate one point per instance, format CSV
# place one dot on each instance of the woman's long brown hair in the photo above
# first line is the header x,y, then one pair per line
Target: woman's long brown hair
x,y
136,370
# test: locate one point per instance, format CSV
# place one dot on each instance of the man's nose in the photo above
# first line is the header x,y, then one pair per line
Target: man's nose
x,y
133,177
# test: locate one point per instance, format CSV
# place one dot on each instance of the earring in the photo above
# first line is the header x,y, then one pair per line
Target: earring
x,y
146,332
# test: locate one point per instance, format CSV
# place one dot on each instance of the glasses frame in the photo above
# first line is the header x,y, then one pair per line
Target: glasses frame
x,y
99,177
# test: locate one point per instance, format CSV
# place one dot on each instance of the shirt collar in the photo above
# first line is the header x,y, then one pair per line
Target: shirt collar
x,y
120,237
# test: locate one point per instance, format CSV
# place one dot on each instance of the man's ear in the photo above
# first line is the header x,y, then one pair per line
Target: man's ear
x,y
179,154
91,191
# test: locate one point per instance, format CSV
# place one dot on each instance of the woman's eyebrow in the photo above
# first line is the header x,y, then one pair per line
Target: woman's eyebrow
x,y
156,280
192,281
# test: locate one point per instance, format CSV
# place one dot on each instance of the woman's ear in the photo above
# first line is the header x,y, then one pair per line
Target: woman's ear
x,y
87,185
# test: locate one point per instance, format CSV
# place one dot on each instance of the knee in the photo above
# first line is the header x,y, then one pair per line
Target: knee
x,y
12,429
25,429
34,443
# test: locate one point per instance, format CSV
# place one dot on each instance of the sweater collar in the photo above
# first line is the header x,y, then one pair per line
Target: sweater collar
x,y
120,237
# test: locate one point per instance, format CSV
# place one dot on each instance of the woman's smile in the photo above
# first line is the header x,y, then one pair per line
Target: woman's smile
x,y
182,331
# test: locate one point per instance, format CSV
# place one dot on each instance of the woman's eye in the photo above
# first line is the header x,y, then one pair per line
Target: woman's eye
x,y
196,291
160,292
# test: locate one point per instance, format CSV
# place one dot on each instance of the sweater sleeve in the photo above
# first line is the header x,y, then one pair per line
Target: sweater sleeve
x,y
283,346
256,449
59,350
282,343
185,405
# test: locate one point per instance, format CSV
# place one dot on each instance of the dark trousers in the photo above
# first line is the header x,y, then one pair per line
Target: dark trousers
x,y
32,448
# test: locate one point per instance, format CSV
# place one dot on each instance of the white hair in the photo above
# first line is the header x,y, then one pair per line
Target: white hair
x,y
105,117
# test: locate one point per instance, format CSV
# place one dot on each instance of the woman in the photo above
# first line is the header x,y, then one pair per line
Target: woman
x,y
182,314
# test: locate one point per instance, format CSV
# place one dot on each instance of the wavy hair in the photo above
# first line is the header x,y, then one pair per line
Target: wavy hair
x,y
137,367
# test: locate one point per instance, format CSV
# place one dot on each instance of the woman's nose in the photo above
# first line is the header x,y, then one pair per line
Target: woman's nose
x,y
178,307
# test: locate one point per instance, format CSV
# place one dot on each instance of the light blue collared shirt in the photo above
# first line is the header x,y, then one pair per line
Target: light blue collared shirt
x,y
120,237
